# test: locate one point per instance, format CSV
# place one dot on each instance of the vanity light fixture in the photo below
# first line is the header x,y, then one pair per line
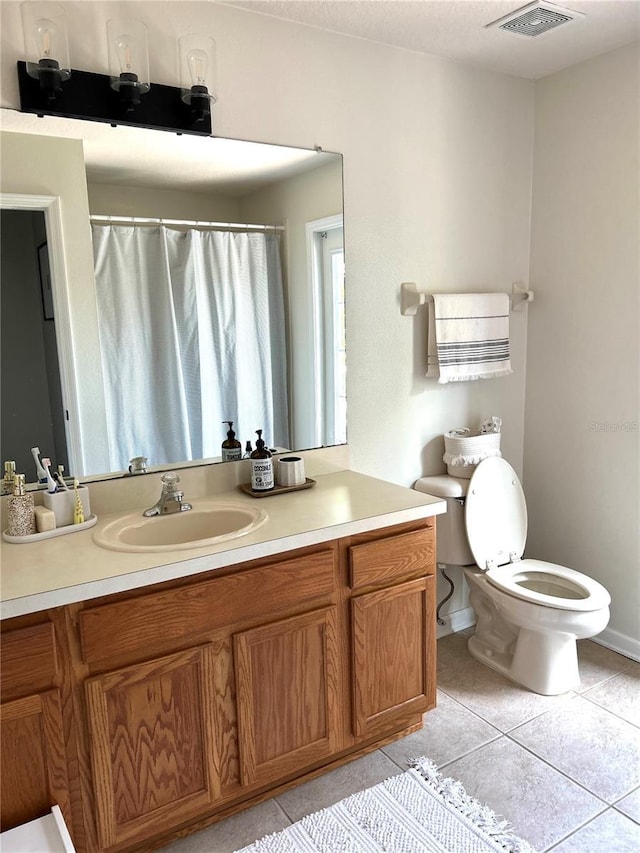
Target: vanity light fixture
x,y
123,96
197,73
46,45
128,60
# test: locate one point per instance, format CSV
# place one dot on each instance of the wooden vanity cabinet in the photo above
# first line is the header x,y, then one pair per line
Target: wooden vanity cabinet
x,y
287,677
393,629
33,768
201,696
250,697
153,745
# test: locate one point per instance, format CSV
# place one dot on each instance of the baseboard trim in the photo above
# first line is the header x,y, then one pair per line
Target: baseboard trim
x,y
617,642
456,621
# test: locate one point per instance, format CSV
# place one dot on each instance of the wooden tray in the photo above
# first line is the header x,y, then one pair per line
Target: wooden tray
x,y
276,490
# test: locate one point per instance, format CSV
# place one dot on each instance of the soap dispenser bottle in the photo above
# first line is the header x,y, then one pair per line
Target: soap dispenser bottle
x,y
21,520
231,447
261,467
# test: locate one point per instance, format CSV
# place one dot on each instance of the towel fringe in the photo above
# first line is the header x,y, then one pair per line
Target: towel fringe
x,y
471,376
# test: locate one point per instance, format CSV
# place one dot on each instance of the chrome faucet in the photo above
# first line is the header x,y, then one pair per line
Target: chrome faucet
x,y
171,499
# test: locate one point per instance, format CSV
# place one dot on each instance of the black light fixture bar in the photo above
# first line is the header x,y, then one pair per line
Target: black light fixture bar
x,y
89,96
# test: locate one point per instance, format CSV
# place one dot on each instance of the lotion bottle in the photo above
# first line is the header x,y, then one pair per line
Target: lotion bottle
x,y
261,467
21,520
231,447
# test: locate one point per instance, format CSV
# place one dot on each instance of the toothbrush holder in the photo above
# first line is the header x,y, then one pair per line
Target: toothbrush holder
x,y
62,504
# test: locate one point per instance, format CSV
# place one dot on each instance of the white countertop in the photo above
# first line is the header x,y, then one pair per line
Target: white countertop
x,y
67,569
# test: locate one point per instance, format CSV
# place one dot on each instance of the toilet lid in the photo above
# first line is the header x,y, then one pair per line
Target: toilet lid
x,y
495,514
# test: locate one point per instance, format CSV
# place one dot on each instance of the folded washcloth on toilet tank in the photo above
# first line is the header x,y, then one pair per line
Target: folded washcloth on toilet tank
x,y
468,336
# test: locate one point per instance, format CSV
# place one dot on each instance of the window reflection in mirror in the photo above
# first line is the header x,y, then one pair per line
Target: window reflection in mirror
x,y
298,200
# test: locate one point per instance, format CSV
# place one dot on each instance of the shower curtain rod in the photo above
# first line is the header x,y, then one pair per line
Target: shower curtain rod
x,y
192,223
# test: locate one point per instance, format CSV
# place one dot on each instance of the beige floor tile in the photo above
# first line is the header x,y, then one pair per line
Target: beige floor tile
x,y
450,731
542,805
337,784
499,701
597,664
610,832
591,745
234,832
620,695
630,805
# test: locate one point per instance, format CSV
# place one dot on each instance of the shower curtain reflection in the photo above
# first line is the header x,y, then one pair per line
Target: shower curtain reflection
x,y
192,333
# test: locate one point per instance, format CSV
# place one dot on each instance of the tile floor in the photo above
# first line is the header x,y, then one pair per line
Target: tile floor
x,y
564,770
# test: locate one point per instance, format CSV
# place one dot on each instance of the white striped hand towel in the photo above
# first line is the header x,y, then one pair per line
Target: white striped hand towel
x,y
468,336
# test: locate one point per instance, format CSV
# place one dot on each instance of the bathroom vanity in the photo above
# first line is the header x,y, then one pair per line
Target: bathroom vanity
x,y
151,694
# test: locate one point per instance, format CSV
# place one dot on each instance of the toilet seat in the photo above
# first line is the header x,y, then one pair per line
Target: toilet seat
x,y
550,585
496,523
495,514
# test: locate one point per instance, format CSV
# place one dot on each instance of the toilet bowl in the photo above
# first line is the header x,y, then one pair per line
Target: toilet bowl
x,y
529,613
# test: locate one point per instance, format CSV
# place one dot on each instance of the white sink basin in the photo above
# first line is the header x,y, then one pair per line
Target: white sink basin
x,y
207,523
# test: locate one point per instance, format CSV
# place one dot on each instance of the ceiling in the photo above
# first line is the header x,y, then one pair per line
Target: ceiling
x,y
456,29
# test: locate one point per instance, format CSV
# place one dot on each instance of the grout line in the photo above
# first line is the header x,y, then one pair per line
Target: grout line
x,y
556,844
558,770
608,710
469,752
283,810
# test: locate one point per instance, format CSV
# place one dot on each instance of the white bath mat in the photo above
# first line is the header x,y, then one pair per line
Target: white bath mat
x,y
415,812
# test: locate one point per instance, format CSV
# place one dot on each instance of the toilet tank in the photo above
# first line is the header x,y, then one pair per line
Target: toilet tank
x,y
452,545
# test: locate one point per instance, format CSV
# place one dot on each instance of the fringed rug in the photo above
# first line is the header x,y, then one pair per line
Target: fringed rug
x,y
415,812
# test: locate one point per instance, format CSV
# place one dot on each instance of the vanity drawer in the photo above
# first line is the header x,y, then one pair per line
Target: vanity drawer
x,y
28,660
152,620
395,558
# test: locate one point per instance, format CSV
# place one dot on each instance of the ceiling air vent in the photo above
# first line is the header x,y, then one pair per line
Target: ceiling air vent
x,y
535,19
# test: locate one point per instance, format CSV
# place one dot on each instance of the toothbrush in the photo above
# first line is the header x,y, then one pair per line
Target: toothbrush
x,y
58,476
42,474
51,483
78,510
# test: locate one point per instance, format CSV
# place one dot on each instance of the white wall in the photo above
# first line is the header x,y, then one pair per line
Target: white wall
x,y
437,170
582,461
294,202
61,175
121,200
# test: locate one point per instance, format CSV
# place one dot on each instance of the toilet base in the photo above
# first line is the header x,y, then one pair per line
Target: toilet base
x,y
544,663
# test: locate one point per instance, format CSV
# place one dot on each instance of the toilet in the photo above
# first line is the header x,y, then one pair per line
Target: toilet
x,y
529,613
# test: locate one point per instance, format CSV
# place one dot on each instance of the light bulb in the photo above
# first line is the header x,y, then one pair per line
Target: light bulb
x,y
126,50
46,46
46,32
128,58
198,63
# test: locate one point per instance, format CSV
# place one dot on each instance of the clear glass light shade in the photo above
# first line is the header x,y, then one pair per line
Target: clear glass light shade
x,y
46,44
128,54
197,67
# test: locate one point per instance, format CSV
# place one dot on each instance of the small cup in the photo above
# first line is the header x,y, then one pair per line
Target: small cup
x,y
290,471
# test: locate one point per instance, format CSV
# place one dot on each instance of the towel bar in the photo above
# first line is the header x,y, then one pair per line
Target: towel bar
x,y
411,297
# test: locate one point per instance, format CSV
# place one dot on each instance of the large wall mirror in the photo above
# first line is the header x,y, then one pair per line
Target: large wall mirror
x,y
215,292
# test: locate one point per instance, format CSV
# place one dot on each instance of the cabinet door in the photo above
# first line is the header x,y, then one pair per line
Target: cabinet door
x,y
393,636
34,768
286,687
153,750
